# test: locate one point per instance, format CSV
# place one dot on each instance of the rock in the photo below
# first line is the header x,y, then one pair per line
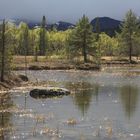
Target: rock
x,y
23,78
50,92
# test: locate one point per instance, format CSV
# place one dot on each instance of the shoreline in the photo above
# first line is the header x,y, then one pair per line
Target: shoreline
x,y
86,67
44,63
11,81
16,80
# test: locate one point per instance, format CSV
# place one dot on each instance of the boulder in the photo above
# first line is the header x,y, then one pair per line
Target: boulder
x,y
23,78
49,92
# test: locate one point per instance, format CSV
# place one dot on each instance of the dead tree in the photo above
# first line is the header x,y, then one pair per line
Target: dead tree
x,y
3,52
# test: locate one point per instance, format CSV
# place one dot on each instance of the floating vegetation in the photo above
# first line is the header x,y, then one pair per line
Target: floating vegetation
x,y
51,132
109,131
47,131
8,128
71,121
40,118
16,110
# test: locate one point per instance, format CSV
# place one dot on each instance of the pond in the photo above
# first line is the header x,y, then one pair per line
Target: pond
x,y
102,106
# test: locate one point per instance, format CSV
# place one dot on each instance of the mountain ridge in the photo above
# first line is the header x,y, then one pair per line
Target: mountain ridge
x,y
107,24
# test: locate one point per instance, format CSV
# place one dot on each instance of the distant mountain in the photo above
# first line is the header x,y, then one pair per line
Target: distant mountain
x,y
63,25
107,25
59,25
31,23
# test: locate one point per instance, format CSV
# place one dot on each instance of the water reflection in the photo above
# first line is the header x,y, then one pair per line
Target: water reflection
x,y
5,124
82,95
129,97
99,97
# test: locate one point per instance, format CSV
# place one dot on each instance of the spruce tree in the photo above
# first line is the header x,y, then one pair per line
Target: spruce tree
x,y
24,42
24,39
43,44
26,45
129,29
5,50
81,38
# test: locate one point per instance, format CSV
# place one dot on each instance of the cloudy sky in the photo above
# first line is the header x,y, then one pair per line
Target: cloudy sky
x,y
66,10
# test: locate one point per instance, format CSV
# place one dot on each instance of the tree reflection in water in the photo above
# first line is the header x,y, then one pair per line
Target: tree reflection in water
x,y
82,95
5,124
129,97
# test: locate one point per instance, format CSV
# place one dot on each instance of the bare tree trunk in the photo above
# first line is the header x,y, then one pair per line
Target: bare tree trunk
x,y
25,57
3,52
25,51
130,48
130,53
36,54
84,49
26,47
26,64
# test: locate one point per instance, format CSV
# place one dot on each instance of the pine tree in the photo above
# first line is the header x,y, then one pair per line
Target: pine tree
x,y
24,42
129,29
81,37
43,44
34,42
5,51
24,39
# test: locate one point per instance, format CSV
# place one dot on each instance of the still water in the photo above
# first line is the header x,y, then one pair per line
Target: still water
x,y
102,106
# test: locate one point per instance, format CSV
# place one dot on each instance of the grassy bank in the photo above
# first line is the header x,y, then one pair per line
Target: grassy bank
x,y
55,63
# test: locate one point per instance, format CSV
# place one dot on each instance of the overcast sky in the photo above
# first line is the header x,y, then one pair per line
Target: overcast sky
x,y
66,10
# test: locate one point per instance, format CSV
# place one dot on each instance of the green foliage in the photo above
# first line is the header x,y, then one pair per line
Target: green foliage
x,y
24,48
108,45
43,37
81,38
72,43
43,24
34,42
58,43
129,33
6,38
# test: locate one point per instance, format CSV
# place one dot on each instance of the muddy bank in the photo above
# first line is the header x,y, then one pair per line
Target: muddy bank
x,y
59,66
11,81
